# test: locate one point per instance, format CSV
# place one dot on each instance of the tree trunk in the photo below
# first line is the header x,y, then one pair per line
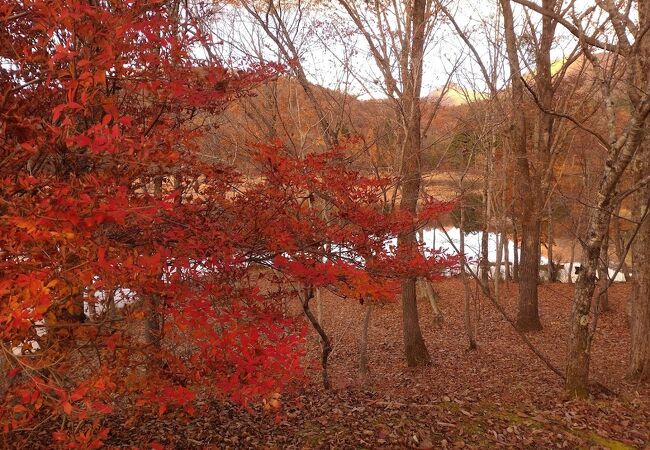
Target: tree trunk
x,y
619,240
577,374
432,295
515,244
527,188
640,302
640,305
427,289
326,347
603,276
528,313
485,257
363,344
153,329
506,254
319,311
572,259
497,264
624,145
469,327
552,270
152,323
484,261
415,348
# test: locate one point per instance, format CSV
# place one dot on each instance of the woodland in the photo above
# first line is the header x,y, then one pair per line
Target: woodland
x,y
324,224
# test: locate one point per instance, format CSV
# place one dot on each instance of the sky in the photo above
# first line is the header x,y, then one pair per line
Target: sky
x,y
334,56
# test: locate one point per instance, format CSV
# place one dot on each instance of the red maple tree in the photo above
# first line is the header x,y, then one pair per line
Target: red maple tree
x,y
134,271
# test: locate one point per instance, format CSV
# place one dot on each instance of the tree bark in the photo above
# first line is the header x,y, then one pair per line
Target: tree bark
x,y
603,275
497,263
415,348
552,270
619,241
484,261
469,327
640,303
363,344
506,252
431,294
515,245
528,312
427,289
527,315
572,256
153,320
577,375
639,368
326,346
319,311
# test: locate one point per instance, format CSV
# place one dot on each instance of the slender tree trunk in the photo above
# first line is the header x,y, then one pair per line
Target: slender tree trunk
x,y
319,310
618,244
622,149
640,305
577,375
515,238
506,253
528,313
603,276
415,348
485,257
552,270
363,344
326,347
433,297
640,302
503,221
515,244
485,261
497,265
4,380
572,259
153,332
469,327
528,190
427,289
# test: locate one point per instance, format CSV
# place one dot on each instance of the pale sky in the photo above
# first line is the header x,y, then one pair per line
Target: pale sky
x,y
327,51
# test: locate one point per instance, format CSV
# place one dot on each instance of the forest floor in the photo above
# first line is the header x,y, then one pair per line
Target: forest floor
x,y
499,395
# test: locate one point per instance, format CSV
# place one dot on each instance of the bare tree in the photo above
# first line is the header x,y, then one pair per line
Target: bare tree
x,y
535,140
396,35
640,318
630,39
533,160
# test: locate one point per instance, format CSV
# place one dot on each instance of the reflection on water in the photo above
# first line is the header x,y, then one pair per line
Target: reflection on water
x,y
437,239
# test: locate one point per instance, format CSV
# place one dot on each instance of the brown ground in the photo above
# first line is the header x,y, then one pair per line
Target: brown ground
x,y
497,396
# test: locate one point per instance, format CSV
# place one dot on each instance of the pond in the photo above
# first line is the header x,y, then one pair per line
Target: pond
x,y
437,238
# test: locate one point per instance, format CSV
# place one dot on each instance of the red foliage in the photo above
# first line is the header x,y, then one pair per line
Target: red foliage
x,y
130,266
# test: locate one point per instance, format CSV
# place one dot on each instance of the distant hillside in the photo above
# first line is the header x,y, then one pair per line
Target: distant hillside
x,y
457,95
